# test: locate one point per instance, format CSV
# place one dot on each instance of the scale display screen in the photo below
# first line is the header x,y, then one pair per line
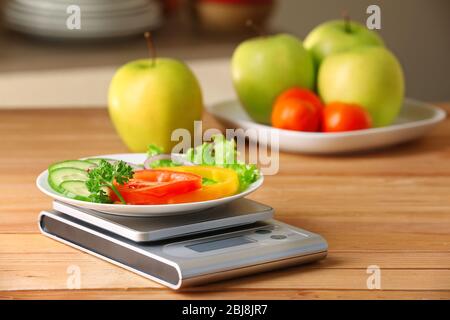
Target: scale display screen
x,y
219,244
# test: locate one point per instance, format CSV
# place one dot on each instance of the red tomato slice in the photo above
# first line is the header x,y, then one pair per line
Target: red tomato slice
x,y
157,186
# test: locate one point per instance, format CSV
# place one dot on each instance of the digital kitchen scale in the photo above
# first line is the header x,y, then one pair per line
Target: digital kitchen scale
x,y
177,251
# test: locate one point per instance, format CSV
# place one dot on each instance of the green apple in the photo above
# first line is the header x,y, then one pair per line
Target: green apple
x,y
369,76
338,36
262,68
148,99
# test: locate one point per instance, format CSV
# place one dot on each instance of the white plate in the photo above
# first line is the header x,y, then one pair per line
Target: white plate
x,y
84,34
140,210
86,5
414,121
104,11
93,27
140,20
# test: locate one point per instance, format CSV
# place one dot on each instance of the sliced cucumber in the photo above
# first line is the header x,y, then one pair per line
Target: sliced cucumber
x,y
58,176
75,189
79,164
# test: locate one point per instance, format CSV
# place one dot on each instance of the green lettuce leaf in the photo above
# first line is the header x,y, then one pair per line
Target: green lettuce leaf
x,y
222,153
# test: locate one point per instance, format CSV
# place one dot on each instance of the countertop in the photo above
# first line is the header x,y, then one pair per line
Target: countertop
x,y
388,208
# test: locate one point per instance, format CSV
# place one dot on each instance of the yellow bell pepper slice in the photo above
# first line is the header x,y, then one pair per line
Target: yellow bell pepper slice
x,y
227,183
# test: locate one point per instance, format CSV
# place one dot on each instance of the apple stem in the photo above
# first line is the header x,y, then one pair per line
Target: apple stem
x,y
151,47
249,23
347,20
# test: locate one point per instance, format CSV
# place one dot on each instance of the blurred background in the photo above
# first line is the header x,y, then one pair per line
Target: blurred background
x,y
44,64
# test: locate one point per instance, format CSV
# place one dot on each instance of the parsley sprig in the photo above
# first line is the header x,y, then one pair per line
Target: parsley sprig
x,y
103,176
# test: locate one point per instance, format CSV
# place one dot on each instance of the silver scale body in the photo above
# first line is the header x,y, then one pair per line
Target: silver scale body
x,y
229,241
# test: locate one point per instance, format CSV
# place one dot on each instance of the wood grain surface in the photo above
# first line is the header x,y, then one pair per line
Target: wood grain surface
x,y
389,208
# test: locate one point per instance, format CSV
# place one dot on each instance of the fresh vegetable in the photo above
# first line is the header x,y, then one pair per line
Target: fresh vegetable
x,y
157,186
297,109
207,181
209,171
219,153
153,150
97,161
302,110
295,114
160,162
223,153
304,95
247,174
57,176
76,190
345,117
108,175
226,183
157,159
79,164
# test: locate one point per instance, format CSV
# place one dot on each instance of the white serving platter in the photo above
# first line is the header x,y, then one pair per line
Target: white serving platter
x,y
140,210
415,120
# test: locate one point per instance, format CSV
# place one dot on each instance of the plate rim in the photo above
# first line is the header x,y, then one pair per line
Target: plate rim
x,y
439,116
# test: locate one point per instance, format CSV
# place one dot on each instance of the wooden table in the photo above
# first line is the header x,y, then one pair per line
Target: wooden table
x,y
389,208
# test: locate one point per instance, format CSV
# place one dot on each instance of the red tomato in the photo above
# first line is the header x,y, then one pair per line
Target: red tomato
x,y
338,117
295,114
302,94
157,186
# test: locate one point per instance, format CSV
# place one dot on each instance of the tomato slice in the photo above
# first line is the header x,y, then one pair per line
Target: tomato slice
x,y
157,186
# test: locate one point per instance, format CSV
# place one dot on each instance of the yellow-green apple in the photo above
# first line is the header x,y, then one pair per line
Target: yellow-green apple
x,y
264,67
150,98
369,76
338,36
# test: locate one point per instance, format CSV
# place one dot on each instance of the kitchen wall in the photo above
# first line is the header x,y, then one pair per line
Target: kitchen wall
x,y
418,32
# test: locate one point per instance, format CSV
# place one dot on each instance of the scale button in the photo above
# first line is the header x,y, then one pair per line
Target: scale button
x,y
263,231
278,237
